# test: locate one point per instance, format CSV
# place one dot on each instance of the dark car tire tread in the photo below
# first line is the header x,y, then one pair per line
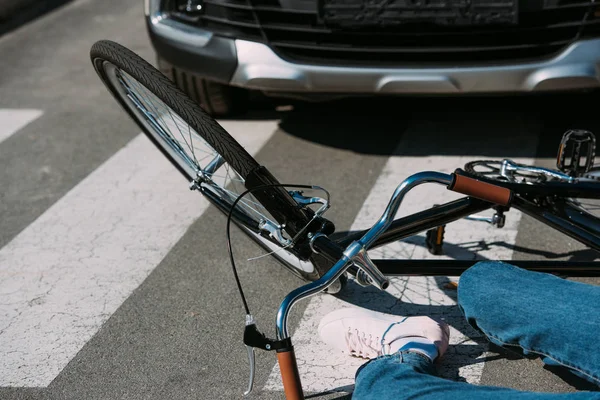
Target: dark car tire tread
x,y
217,99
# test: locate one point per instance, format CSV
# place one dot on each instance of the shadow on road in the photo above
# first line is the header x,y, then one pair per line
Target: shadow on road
x,y
469,250
14,14
482,126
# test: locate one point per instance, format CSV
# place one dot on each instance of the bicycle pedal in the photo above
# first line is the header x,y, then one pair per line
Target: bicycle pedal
x,y
434,239
576,152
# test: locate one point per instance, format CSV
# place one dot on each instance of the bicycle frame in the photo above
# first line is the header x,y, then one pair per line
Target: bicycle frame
x,y
568,219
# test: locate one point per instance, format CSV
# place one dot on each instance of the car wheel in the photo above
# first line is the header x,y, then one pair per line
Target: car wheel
x,y
217,99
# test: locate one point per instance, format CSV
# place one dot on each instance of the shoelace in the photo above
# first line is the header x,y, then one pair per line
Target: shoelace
x,y
361,343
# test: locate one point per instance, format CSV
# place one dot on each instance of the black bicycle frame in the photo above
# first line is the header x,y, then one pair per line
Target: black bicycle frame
x,y
563,216
422,221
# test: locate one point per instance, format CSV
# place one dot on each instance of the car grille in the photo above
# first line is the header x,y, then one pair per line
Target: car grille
x,y
296,32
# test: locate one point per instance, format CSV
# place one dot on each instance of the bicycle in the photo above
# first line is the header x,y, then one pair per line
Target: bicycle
x,y
291,226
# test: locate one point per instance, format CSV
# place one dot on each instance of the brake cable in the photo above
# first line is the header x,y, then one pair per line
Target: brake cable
x,y
228,231
253,338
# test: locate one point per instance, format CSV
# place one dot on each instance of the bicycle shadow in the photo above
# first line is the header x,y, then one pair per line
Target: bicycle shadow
x,y
574,255
471,250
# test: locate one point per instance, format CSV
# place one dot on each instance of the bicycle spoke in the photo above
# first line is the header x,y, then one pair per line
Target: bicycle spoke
x,y
173,128
159,113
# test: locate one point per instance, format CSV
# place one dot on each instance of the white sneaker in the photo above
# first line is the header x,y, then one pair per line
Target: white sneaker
x,y
370,334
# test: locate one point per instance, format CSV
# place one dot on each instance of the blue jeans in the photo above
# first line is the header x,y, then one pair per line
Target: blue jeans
x,y
538,313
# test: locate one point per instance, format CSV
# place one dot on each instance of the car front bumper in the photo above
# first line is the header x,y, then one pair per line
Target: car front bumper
x,y
254,65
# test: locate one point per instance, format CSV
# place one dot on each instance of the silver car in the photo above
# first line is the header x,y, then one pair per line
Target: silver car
x,y
217,49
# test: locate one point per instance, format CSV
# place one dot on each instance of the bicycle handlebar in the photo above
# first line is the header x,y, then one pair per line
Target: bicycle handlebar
x,y
456,182
289,374
482,190
356,254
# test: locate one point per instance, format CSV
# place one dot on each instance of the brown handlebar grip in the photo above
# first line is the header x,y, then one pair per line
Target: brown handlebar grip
x,y
290,375
481,190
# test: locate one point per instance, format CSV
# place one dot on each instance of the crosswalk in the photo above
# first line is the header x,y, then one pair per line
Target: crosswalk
x,y
12,120
66,274
70,270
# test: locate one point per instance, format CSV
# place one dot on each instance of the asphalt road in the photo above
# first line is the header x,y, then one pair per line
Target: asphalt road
x,y
170,320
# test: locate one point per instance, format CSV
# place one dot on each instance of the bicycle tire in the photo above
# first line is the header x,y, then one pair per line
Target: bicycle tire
x,y
105,51
157,83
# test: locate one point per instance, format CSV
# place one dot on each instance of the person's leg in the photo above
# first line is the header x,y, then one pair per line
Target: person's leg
x,y
536,312
402,351
407,375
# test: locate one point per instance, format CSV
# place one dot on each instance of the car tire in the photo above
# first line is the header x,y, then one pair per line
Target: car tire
x,y
217,99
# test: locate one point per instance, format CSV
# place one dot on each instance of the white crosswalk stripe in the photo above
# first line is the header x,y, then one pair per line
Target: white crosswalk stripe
x,y
12,121
323,369
67,272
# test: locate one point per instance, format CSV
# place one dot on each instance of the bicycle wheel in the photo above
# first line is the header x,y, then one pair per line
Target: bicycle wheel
x,y
192,140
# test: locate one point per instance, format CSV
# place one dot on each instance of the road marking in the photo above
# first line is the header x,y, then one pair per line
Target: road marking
x,y
323,369
67,272
13,120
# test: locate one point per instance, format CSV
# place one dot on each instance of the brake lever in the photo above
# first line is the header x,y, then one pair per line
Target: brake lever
x,y
305,201
253,338
251,358
251,361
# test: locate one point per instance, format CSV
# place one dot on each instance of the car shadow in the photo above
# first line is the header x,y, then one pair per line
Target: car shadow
x,y
490,126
